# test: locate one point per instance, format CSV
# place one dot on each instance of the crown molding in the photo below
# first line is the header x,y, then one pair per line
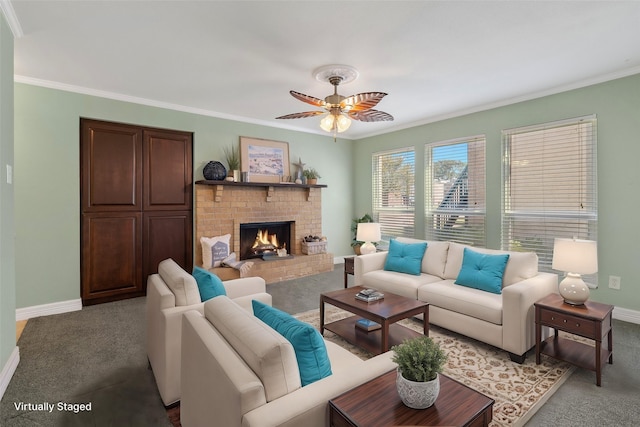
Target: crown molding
x,y
12,19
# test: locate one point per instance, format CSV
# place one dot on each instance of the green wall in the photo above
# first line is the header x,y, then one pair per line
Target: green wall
x,y
47,174
7,277
617,106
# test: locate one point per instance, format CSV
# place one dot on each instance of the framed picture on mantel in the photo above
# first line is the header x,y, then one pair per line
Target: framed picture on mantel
x,y
263,159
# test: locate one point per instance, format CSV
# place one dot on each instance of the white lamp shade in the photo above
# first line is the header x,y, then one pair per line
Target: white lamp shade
x,y
575,256
368,232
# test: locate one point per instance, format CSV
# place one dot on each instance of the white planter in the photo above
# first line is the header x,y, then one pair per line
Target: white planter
x,y
418,395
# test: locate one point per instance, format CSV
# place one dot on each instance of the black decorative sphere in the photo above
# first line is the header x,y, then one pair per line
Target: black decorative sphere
x,y
214,171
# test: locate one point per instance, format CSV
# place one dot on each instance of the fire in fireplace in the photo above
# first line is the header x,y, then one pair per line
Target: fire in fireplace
x,y
264,238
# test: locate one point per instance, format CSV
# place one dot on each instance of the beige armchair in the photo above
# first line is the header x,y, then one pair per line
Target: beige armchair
x,y
170,293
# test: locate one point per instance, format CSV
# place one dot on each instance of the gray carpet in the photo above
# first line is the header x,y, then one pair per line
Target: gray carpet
x,y
97,355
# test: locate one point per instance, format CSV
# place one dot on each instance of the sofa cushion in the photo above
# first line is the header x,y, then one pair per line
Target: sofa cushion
x,y
267,353
181,283
482,271
405,257
402,284
521,265
460,299
209,284
311,352
435,257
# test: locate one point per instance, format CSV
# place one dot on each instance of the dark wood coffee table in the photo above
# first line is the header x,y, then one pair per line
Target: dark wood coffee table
x,y
377,404
386,312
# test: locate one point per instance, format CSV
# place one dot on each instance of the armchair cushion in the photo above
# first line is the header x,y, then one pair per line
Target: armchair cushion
x,y
405,257
209,284
267,352
310,348
482,271
181,283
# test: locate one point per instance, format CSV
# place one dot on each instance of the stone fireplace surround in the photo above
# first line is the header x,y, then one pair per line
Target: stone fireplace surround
x,y
222,206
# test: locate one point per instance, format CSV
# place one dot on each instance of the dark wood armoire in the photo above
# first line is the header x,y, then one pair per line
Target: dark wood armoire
x,y
136,188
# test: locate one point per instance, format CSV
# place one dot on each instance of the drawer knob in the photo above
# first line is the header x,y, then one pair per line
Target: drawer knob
x,y
565,320
577,325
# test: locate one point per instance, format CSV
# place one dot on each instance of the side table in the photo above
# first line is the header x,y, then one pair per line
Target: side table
x,y
591,320
349,262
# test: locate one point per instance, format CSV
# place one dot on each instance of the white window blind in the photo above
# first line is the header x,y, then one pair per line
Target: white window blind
x,y
549,186
394,192
455,191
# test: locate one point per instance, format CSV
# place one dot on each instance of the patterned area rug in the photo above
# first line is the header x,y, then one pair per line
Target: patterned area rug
x,y
518,390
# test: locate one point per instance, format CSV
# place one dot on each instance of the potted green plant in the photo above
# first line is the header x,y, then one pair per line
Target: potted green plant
x,y
312,176
355,244
232,155
420,360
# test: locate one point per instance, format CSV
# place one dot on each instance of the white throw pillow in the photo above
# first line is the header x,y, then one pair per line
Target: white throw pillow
x,y
214,250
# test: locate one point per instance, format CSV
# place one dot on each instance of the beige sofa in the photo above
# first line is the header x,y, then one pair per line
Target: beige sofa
x,y
503,320
238,371
170,293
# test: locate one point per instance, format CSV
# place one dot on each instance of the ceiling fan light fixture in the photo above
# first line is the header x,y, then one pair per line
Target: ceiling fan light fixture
x,y
333,122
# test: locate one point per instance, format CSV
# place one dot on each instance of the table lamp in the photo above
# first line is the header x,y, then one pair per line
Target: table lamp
x,y
368,232
575,257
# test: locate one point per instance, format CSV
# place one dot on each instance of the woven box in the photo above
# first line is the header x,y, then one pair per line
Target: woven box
x,y
312,248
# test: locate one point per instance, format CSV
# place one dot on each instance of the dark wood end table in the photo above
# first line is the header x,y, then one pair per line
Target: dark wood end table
x,y
386,312
376,403
591,320
349,268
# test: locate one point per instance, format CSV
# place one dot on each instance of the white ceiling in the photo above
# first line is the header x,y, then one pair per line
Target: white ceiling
x,y
239,59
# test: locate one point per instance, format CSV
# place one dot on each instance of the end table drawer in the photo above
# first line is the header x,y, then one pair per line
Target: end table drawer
x,y
568,323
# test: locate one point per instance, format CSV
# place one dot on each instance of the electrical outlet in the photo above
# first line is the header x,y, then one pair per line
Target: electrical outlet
x,y
614,282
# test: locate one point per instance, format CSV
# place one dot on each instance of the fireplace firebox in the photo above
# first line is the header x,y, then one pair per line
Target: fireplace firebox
x,y
258,239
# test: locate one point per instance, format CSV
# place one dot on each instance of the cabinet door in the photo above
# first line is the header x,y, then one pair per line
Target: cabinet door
x,y
111,167
111,255
167,235
167,170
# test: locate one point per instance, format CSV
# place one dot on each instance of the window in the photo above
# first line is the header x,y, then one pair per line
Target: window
x,y
455,191
549,186
394,192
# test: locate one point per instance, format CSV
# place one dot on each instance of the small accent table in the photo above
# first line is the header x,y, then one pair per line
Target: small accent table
x,y
376,403
591,320
349,268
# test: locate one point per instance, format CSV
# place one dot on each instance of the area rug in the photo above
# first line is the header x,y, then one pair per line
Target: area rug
x,y
518,390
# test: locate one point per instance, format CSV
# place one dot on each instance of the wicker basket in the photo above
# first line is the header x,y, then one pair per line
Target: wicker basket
x,y
312,248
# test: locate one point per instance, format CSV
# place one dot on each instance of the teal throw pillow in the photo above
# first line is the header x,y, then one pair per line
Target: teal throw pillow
x,y
482,271
209,284
405,257
311,351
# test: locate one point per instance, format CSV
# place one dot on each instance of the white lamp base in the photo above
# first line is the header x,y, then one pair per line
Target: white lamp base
x,y
573,289
367,248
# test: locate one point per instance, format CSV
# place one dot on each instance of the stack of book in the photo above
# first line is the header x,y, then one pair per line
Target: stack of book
x,y
369,295
367,325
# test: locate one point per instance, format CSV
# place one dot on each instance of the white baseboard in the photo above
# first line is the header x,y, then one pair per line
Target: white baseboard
x,y
626,315
8,370
48,309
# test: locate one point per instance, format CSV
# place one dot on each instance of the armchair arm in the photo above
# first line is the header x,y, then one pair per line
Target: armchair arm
x,y
366,263
518,314
245,286
308,406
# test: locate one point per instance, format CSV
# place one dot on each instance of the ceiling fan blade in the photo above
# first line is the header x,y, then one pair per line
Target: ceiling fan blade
x,y
370,116
308,98
301,115
362,101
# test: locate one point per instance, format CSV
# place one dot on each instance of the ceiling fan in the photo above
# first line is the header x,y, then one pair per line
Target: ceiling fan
x,y
339,109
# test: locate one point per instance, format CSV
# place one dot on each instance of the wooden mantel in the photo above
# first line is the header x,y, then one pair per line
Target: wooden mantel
x,y
268,186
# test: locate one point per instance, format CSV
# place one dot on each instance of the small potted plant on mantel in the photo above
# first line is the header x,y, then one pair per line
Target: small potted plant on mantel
x,y
312,176
420,361
232,156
